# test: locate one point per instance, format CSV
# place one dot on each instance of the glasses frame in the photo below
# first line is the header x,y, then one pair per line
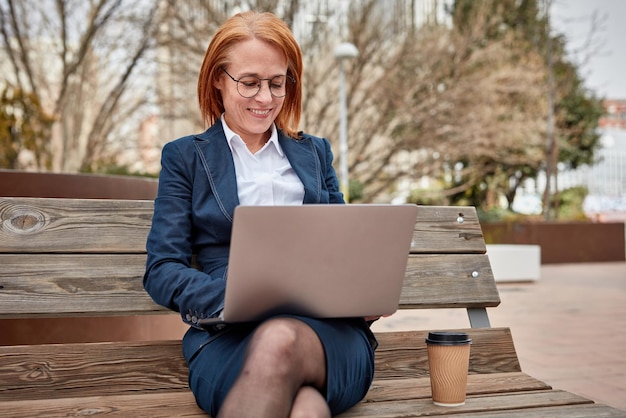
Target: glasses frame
x,y
269,84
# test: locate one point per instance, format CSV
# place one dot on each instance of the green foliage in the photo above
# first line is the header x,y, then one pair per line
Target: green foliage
x,y
570,208
355,189
498,215
421,197
571,204
23,126
504,15
577,116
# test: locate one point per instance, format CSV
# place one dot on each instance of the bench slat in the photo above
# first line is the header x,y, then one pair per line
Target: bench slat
x,y
73,285
69,370
511,402
447,281
448,229
35,285
148,405
403,354
183,404
74,225
477,384
526,404
590,410
71,225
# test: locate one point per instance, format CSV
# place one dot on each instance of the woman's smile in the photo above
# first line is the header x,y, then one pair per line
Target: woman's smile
x,y
260,112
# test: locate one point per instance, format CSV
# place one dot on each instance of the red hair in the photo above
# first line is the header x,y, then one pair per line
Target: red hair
x,y
242,26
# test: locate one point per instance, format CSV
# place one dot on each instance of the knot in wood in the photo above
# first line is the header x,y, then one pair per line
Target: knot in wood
x,y
39,372
25,220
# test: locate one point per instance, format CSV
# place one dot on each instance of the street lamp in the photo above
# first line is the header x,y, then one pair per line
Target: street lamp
x,y
344,51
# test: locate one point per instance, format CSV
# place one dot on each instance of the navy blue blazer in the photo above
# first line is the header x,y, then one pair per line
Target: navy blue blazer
x,y
193,215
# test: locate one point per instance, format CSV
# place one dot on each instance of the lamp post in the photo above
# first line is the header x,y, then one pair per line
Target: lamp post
x,y
343,52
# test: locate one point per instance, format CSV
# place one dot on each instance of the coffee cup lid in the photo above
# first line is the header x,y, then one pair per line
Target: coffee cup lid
x,y
448,338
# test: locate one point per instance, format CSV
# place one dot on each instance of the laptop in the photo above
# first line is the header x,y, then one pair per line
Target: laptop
x,y
324,261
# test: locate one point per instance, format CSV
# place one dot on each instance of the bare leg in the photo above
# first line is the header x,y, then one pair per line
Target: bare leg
x,y
283,356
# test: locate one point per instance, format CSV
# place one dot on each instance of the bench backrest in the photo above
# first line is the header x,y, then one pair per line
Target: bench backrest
x,y
86,257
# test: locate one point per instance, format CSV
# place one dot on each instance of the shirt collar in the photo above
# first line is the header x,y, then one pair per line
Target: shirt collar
x,y
231,135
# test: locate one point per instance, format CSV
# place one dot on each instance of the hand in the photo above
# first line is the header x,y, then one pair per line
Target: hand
x,y
376,318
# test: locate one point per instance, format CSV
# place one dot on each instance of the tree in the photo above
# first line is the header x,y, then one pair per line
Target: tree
x,y
78,59
570,133
23,129
475,106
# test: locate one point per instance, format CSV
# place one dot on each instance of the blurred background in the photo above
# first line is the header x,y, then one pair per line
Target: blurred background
x,y
517,107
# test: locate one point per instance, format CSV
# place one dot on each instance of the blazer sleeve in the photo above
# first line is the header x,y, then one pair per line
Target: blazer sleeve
x,y
170,278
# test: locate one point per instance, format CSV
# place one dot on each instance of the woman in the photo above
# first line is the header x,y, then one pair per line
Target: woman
x,y
250,94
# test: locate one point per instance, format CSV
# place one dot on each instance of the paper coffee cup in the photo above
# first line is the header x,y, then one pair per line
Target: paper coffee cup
x,y
448,362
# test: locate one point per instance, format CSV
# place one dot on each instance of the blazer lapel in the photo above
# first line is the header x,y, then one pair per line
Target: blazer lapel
x,y
218,164
305,162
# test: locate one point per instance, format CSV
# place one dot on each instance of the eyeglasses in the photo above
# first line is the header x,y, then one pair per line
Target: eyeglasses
x,y
250,85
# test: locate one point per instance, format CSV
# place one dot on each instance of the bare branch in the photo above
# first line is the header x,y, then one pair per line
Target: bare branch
x,y
23,48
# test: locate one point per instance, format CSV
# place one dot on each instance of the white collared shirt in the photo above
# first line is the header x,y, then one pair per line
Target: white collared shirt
x,y
266,177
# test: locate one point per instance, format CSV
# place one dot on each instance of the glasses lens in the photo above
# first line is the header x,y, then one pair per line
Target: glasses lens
x,y
248,86
278,86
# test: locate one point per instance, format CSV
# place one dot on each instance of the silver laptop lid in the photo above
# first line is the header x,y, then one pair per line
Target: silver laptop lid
x,y
317,260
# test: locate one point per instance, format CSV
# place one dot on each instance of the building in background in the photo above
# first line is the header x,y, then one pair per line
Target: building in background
x,y
606,180
615,117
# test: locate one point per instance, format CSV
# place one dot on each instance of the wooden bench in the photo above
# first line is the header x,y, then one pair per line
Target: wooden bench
x,y
81,257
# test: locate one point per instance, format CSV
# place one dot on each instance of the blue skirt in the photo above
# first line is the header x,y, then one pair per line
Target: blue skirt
x,y
348,344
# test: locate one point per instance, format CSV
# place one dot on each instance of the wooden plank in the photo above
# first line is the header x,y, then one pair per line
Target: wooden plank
x,y
449,281
447,229
562,404
477,405
183,405
404,355
148,405
74,225
562,411
89,369
46,285
48,225
93,369
59,285
477,384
